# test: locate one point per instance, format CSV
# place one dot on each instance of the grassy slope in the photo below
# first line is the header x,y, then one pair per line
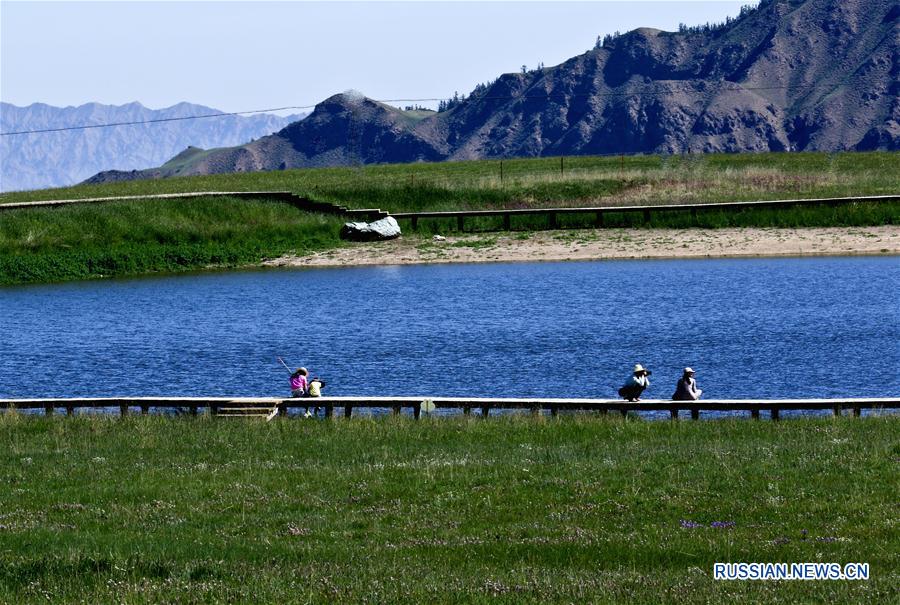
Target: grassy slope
x,y
537,182
144,237
127,238
508,510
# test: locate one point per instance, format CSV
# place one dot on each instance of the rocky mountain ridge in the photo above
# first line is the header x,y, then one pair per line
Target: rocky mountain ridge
x,y
789,75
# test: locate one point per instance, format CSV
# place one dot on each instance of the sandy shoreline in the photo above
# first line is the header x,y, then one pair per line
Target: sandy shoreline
x,y
609,244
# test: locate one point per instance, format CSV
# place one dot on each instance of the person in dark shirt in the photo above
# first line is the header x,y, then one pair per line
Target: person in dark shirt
x,y
687,390
635,384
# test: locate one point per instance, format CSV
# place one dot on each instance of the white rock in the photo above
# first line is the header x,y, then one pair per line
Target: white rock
x,y
386,228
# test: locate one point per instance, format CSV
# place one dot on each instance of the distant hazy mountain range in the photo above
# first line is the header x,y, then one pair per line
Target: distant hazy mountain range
x,y
65,158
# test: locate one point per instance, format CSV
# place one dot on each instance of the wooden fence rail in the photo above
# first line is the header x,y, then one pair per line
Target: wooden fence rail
x,y
552,214
466,404
298,201
600,212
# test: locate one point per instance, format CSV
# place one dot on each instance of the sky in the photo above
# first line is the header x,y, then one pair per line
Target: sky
x,y
241,56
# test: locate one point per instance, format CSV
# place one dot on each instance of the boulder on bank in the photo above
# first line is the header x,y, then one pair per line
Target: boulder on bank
x,y
386,228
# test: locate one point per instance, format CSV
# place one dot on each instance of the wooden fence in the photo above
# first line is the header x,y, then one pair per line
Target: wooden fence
x,y
215,405
599,212
298,201
552,214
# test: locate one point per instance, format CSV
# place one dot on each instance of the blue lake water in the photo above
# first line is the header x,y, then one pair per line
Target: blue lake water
x,y
761,328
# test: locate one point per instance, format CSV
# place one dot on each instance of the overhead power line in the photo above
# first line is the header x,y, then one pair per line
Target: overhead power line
x,y
156,120
420,100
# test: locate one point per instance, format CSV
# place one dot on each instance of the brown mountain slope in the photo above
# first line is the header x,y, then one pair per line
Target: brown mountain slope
x,y
790,75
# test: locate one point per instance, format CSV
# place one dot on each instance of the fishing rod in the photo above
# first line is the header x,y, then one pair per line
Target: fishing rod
x,y
285,365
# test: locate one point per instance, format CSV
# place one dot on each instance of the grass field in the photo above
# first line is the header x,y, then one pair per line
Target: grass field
x,y
540,182
448,510
131,238
150,236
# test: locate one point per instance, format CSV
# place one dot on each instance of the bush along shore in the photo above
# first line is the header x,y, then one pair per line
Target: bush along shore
x,y
510,509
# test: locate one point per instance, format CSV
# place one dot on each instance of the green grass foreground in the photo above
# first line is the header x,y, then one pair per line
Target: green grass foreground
x,y
446,510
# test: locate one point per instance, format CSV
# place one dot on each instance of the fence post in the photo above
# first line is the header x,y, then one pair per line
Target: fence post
x,y
48,410
674,413
598,222
551,218
646,216
485,411
754,413
415,222
776,413
506,222
329,411
459,222
348,411
695,414
123,410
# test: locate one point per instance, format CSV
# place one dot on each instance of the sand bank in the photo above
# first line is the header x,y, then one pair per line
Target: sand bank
x,y
610,244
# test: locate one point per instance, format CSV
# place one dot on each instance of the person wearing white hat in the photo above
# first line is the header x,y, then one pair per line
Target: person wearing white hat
x,y
687,390
636,383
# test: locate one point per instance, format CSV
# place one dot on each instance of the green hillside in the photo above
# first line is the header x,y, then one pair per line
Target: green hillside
x,y
541,183
151,236
140,237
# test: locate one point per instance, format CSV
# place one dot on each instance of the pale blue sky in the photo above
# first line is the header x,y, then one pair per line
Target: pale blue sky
x,y
238,56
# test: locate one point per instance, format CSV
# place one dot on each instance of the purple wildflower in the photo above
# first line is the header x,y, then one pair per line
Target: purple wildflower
x,y
689,524
722,524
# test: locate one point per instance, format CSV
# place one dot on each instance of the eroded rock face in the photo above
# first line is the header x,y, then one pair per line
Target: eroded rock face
x,y
384,229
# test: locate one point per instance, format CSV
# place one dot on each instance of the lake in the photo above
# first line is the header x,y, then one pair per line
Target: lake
x,y
752,328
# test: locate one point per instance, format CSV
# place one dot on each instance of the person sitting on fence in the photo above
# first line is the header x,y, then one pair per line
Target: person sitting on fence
x,y
687,390
314,390
298,382
315,387
635,384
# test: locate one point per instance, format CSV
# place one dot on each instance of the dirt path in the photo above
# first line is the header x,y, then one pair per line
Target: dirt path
x,y
610,244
